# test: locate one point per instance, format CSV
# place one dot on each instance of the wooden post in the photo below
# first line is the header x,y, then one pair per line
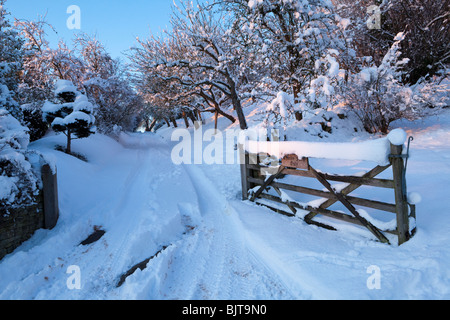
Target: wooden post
x,y
50,193
244,161
401,201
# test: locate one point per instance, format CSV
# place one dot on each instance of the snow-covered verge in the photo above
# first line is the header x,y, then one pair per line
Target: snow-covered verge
x,y
218,247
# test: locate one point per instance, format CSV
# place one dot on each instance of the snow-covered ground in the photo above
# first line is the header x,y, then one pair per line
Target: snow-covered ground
x,y
216,246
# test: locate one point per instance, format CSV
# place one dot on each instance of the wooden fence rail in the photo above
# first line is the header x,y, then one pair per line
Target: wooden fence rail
x,y
255,186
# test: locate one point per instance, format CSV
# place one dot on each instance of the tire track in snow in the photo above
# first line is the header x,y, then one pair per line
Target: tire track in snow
x,y
142,187
48,277
302,284
123,211
101,262
128,224
231,269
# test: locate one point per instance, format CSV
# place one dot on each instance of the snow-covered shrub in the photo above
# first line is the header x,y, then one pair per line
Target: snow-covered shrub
x,y
32,119
431,95
377,95
18,183
7,101
322,88
72,115
10,64
280,113
424,22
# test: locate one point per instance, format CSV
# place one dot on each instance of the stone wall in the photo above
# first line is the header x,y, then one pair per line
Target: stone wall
x,y
18,225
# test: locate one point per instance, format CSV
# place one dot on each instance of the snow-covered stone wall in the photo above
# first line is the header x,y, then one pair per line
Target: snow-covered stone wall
x,y
17,225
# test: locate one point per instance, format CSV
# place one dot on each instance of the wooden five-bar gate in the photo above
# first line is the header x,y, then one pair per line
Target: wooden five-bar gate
x,y
256,184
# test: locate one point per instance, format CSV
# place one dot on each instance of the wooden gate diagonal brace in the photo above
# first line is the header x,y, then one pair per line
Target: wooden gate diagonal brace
x,y
267,183
349,189
375,231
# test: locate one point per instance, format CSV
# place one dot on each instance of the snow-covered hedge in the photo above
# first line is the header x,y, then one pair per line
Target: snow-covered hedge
x,y
18,182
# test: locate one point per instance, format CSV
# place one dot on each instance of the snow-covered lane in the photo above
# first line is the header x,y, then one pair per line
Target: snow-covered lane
x,y
143,202
127,197
213,261
216,246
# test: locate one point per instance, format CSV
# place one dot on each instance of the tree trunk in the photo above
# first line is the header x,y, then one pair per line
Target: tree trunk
x,y
226,115
237,103
174,122
191,116
200,116
69,142
186,122
240,113
216,116
152,125
296,91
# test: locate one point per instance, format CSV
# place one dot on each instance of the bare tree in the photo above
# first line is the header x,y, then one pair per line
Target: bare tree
x,y
290,37
42,65
197,58
107,85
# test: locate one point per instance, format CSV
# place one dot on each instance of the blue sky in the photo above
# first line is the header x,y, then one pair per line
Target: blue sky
x,y
116,23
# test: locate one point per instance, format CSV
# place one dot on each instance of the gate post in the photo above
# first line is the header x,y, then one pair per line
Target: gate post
x,y
244,161
401,200
50,194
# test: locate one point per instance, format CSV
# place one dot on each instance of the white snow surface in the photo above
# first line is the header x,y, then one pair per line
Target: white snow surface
x,y
7,187
219,247
65,86
397,137
373,150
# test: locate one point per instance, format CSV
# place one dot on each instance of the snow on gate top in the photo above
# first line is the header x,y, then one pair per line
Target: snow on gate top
x,y
377,150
